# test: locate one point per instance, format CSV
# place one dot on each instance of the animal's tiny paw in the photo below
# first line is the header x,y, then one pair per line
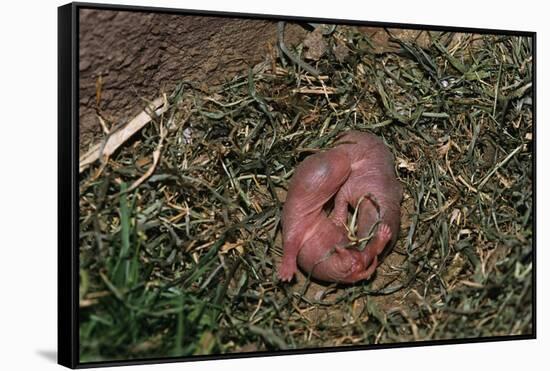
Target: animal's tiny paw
x,y
286,272
384,232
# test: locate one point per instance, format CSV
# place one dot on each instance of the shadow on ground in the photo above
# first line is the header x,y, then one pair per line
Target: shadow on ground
x,y
50,355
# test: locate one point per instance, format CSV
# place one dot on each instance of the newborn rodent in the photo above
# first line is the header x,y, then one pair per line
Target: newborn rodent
x,y
359,166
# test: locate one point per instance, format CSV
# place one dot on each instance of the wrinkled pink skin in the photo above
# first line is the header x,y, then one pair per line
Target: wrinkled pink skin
x,y
359,165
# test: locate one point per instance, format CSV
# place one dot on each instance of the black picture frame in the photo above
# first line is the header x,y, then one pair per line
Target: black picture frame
x,y
68,190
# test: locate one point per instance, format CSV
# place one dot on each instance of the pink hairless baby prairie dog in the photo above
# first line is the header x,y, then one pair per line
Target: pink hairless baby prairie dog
x,y
359,172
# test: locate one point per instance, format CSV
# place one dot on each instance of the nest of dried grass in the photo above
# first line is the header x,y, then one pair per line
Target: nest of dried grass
x,y
180,227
